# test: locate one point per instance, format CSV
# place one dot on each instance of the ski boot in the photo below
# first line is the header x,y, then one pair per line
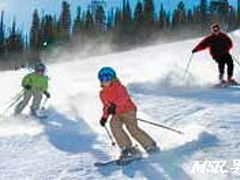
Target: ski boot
x,y
152,149
222,83
16,113
135,152
33,113
36,114
128,155
232,81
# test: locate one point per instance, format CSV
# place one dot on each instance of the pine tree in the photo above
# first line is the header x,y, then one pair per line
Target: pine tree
x,y
117,27
35,33
126,17
162,17
89,22
100,18
138,14
232,20
55,29
190,17
47,29
2,35
149,25
126,13
225,11
203,10
78,35
220,11
179,16
64,23
117,18
138,20
110,20
89,27
78,23
181,13
15,45
148,11
238,13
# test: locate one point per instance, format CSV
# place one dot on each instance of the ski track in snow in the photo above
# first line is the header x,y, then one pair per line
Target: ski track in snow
x,y
66,145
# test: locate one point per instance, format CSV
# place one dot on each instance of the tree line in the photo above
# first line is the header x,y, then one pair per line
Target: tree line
x,y
123,27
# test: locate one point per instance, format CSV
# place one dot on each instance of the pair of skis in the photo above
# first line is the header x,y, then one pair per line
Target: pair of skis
x,y
118,162
226,85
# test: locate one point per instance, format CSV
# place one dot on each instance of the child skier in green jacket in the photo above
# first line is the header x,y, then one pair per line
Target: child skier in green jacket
x,y
35,85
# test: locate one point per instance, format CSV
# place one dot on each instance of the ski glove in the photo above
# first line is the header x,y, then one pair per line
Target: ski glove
x,y
103,122
47,94
194,51
112,109
27,87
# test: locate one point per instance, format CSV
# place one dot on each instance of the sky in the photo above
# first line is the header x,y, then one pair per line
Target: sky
x,y
22,9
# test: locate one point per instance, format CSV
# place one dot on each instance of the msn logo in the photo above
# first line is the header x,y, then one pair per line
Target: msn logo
x,y
209,167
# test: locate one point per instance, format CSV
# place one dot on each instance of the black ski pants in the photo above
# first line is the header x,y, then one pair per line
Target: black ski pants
x,y
222,61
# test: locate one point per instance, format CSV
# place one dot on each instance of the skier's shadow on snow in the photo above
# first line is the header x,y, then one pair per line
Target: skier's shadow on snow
x,y
70,135
167,163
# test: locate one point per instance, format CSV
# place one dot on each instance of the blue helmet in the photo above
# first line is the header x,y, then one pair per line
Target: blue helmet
x,y
106,74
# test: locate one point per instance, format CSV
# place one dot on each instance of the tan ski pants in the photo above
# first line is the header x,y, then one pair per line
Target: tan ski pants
x,y
37,98
130,121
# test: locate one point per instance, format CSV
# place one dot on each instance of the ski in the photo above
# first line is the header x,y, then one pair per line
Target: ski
x,y
106,163
226,85
127,161
117,162
39,117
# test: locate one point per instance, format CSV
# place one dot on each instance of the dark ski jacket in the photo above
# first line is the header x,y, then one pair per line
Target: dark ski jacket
x,y
219,45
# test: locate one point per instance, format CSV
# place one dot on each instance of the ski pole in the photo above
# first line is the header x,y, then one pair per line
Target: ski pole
x,y
17,95
235,59
162,126
188,65
15,100
110,136
43,106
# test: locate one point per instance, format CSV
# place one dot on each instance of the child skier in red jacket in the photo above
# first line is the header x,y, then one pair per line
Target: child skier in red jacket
x,y
116,102
219,45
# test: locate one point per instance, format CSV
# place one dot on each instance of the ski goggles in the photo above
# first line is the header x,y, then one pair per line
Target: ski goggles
x,y
105,77
40,70
216,29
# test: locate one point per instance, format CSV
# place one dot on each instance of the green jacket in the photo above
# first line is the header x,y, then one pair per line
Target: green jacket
x,y
37,82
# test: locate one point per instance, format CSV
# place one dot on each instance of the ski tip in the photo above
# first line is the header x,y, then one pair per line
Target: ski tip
x,y
97,164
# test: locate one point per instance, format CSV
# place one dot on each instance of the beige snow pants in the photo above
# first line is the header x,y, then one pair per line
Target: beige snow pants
x,y
130,121
37,98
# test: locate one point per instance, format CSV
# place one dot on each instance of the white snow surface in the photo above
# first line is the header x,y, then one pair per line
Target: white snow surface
x,y
67,144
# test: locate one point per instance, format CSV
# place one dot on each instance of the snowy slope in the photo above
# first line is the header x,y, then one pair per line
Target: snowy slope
x,y
68,143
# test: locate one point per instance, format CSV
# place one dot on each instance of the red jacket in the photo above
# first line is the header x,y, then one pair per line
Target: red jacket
x,y
116,94
218,45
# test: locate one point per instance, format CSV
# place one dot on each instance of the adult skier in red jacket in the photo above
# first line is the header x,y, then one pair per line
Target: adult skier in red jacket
x,y
118,104
219,45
